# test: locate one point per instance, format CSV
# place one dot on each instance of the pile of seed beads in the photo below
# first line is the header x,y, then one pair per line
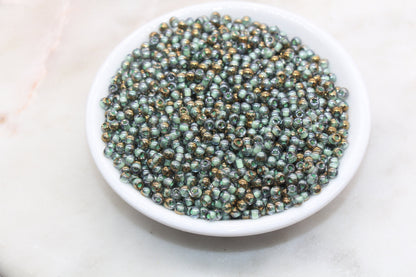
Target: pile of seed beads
x,y
225,119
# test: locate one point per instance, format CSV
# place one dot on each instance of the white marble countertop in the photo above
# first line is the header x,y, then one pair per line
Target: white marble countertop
x,y
59,218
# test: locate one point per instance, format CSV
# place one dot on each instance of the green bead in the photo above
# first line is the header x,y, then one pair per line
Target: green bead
x,y
254,214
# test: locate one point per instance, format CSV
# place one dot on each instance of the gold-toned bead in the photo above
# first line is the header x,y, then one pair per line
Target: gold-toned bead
x,y
336,111
186,167
215,14
181,75
114,125
336,138
296,74
193,64
262,76
195,32
144,45
286,200
192,146
105,127
214,171
238,143
331,130
280,178
312,82
232,51
309,159
250,115
287,53
235,97
163,27
182,25
197,25
251,175
183,110
156,186
242,183
274,58
332,94
164,125
337,152
179,32
186,118
223,29
144,143
343,106
281,75
317,150
256,24
227,18
299,157
179,212
206,182
300,85
212,39
264,96
236,88
327,84
345,125
232,70
317,189
216,67
249,197
246,19
203,66
227,208
154,34
190,76
129,113
333,122
323,93
243,38
105,137
315,59
241,205
219,105
198,103
247,72
199,88
220,173
238,21
165,51
207,51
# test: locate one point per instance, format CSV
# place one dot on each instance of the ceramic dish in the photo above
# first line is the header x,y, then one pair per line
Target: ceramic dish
x,y
324,45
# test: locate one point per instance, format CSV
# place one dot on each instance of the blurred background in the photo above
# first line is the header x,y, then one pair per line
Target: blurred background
x,y
59,218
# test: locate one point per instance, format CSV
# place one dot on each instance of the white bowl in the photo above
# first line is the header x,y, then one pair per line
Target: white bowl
x,y
323,44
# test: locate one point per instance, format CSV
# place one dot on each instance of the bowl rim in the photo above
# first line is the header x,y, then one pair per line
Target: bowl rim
x,y
234,228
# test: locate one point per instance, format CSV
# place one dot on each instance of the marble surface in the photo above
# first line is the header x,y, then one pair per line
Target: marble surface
x,y
59,218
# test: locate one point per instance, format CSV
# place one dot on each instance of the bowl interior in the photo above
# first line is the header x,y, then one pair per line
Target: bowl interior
x,y
325,46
